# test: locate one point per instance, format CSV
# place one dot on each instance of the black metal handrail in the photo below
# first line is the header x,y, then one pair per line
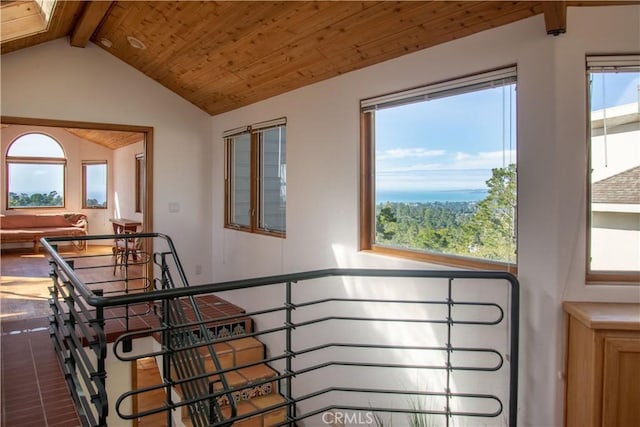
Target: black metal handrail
x,y
291,325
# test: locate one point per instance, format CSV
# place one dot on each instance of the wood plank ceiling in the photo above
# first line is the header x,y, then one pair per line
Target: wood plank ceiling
x,y
224,55
112,139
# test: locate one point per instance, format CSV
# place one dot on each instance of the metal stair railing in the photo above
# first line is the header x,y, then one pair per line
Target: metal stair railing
x,y
449,311
186,364
78,328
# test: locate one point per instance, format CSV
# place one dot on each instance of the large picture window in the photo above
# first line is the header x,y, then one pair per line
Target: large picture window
x,y
438,172
256,178
35,172
614,159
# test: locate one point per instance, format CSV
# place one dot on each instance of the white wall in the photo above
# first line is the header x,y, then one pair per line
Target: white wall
x,y
322,193
56,81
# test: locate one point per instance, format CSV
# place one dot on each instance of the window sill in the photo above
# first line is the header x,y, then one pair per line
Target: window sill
x,y
613,278
440,259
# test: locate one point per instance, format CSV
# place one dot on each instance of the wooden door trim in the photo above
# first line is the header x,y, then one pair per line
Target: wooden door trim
x,y
147,214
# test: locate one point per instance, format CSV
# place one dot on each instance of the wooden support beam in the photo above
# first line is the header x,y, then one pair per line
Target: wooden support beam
x,y
89,20
555,16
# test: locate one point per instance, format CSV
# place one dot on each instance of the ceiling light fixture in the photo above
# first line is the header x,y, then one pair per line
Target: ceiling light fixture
x,y
136,43
106,42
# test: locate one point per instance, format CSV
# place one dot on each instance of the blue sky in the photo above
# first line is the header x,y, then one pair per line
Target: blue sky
x,y
453,143
446,144
619,89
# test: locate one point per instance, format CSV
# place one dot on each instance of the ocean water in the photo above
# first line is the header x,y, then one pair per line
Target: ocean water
x,y
100,196
430,196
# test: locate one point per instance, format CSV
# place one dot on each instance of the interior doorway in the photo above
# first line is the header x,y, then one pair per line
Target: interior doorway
x,y
112,136
116,137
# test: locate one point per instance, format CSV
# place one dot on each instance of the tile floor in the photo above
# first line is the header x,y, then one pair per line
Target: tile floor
x,y
33,388
34,391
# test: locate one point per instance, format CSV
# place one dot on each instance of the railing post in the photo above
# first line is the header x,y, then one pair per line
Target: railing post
x,y
449,349
70,321
165,324
513,352
291,409
166,358
99,377
55,296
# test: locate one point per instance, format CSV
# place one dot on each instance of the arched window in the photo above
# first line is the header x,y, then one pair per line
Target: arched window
x,y
35,172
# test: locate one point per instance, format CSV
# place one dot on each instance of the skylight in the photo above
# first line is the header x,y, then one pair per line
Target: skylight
x,y
24,18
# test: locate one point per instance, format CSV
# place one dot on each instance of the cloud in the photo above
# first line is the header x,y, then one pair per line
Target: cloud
x,y
420,167
403,153
453,172
484,160
459,161
433,180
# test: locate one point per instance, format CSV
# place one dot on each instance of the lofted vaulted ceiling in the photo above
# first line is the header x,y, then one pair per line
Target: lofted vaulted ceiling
x,y
224,55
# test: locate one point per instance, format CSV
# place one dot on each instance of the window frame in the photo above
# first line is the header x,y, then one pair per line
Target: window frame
x,y
255,133
367,220
85,164
33,160
140,186
594,64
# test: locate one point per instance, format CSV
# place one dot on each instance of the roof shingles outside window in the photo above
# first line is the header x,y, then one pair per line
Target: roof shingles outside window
x,y
623,188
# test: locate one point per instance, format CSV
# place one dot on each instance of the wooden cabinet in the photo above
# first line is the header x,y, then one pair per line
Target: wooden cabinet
x,y
603,365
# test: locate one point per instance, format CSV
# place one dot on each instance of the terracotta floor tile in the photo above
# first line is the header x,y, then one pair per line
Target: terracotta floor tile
x,y
257,373
65,423
249,353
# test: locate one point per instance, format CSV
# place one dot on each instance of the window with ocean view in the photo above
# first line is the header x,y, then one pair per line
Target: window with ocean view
x,y
94,185
443,178
35,172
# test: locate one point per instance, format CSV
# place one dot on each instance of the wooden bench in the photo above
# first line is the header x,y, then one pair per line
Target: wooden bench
x,y
21,228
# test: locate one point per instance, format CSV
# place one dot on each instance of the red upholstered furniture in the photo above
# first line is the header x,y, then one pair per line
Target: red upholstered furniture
x,y
18,228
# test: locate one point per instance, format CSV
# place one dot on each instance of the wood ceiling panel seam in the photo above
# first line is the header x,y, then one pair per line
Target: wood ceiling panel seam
x,y
434,13
364,17
307,31
464,16
291,68
224,63
337,47
472,22
445,37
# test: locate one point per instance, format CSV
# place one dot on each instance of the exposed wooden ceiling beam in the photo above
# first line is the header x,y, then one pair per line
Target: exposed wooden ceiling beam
x,y
555,16
89,20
